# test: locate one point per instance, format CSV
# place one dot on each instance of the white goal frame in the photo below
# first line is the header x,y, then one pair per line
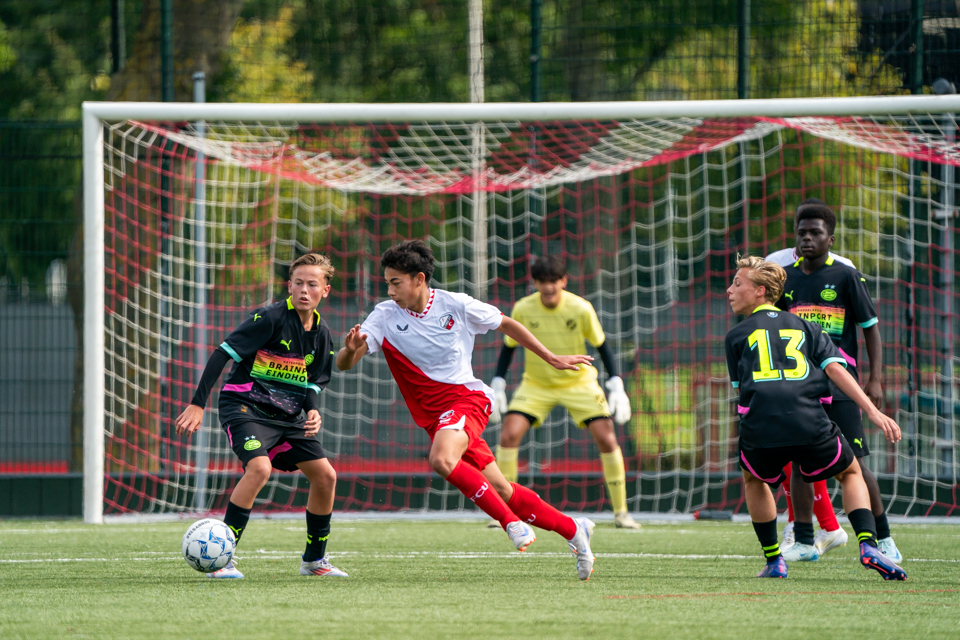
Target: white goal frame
x,y
96,113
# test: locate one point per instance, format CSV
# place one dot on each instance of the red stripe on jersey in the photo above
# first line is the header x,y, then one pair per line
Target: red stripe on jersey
x,y
426,398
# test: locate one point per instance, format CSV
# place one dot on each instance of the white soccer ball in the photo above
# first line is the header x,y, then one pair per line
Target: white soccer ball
x,y
208,545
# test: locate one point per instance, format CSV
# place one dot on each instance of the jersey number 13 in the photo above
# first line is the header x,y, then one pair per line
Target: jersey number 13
x,y
760,340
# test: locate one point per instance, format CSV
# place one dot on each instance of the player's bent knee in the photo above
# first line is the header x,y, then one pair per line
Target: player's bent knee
x,y
849,472
443,463
259,469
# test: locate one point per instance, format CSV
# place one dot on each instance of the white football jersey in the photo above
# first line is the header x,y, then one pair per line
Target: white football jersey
x,y
431,353
786,257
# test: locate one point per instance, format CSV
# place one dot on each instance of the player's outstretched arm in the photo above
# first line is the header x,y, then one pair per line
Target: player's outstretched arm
x,y
528,341
846,383
354,348
192,417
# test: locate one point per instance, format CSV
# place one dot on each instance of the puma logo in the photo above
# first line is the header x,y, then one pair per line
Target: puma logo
x,y
286,343
789,295
256,316
859,442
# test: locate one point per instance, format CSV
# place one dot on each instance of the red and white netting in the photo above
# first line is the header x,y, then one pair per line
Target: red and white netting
x,y
649,214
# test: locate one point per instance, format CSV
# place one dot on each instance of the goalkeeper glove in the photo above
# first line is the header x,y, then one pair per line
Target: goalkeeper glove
x,y
499,407
618,400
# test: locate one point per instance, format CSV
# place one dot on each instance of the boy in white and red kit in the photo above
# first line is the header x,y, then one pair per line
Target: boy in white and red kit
x,y
427,337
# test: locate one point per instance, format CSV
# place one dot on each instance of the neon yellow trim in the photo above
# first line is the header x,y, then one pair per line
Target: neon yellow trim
x,y
290,303
765,307
830,260
797,263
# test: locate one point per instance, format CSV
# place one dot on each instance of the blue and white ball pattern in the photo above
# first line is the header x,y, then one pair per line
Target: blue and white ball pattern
x,y
208,545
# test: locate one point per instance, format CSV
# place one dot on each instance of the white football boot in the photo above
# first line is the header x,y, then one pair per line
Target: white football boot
x,y
580,546
889,548
624,520
229,571
320,567
827,540
521,535
800,552
789,538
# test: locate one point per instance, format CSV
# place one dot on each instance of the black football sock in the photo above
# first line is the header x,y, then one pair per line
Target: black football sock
x,y
883,526
318,532
865,526
803,532
769,541
236,518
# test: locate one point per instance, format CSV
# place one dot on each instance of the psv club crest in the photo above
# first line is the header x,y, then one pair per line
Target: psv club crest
x,y
446,321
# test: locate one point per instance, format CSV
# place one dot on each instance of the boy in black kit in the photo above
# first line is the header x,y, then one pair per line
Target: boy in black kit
x,y
780,364
834,296
284,355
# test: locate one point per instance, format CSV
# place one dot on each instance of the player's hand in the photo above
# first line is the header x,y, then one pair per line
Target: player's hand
x,y
891,430
354,340
190,420
874,391
618,400
499,407
312,426
570,363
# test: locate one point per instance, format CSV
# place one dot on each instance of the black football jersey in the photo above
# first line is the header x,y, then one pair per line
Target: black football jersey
x,y
277,362
835,297
776,360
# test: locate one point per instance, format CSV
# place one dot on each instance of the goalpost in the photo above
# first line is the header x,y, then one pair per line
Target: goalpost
x,y
193,212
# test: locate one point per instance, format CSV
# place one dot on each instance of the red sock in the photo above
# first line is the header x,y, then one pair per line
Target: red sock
x,y
531,508
472,484
823,508
786,491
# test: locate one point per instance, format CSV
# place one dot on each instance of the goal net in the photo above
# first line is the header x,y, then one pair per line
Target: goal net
x,y
195,212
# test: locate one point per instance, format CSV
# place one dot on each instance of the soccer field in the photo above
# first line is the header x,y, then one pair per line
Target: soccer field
x,y
457,579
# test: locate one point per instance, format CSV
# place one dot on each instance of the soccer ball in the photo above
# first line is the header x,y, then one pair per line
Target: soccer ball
x,y
208,545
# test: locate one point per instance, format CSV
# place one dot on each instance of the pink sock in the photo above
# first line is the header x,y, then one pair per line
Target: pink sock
x,y
472,484
530,507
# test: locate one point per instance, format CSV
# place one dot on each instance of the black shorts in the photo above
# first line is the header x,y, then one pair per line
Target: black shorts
x,y
285,446
815,462
847,415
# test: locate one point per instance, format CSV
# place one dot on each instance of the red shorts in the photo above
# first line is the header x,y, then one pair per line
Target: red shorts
x,y
470,415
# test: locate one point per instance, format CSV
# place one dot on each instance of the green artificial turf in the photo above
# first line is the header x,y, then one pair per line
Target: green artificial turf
x,y
456,579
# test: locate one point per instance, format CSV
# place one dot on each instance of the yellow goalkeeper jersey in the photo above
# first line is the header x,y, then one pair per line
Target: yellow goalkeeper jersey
x,y
561,330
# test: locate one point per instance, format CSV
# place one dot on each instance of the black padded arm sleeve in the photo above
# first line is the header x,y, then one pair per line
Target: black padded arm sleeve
x,y
210,375
503,362
608,361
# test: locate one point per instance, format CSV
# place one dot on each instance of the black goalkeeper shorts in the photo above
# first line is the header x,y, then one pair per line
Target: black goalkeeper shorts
x,y
815,462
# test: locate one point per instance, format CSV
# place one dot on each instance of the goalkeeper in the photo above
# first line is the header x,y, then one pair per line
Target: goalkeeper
x,y
562,321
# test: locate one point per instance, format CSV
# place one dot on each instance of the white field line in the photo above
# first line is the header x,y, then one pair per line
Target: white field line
x,y
440,555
